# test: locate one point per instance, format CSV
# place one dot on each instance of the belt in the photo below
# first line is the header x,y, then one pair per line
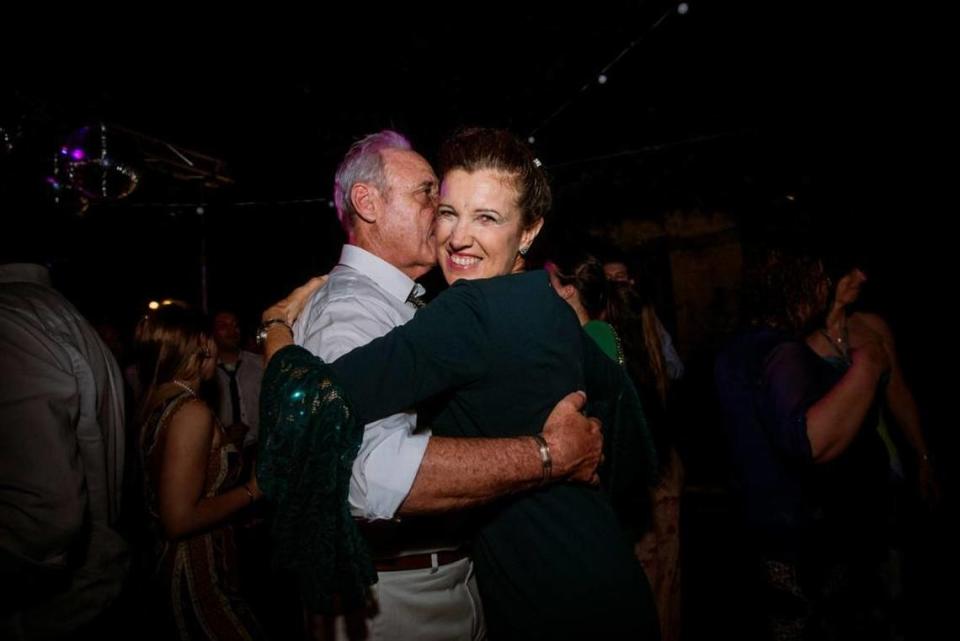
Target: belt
x,y
419,561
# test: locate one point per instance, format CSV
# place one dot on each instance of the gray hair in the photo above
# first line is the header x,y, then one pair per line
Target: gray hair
x,y
363,163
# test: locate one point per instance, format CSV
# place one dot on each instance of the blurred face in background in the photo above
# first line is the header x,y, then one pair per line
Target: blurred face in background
x,y
226,331
617,272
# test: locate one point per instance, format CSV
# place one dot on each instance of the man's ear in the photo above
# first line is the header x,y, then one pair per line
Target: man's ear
x,y
366,201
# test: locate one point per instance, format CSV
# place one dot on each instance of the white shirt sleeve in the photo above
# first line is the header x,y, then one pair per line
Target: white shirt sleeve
x,y
392,449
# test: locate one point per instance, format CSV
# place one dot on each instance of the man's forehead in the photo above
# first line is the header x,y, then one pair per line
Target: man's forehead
x,y
407,166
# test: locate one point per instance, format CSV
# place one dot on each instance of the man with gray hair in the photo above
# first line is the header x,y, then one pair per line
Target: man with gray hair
x,y
386,196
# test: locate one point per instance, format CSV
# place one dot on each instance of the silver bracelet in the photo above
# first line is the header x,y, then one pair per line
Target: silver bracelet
x,y
265,329
544,458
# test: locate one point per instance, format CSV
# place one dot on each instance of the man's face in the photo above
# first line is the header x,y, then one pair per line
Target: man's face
x,y
226,331
410,205
617,272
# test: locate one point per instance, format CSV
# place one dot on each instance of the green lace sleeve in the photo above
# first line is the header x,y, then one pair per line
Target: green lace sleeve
x,y
308,441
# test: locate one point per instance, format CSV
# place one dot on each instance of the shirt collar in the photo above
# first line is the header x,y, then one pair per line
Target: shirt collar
x,y
388,277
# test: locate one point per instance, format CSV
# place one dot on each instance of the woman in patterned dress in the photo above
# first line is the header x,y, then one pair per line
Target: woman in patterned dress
x,y
191,482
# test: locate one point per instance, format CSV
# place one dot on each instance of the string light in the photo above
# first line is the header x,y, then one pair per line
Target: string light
x,y
602,77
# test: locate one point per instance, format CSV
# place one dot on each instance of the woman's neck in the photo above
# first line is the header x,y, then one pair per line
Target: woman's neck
x,y
836,320
581,313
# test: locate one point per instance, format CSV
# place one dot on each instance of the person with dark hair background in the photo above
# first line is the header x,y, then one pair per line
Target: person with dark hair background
x,y
795,425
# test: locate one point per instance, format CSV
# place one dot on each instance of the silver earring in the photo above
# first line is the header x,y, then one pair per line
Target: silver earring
x,y
524,250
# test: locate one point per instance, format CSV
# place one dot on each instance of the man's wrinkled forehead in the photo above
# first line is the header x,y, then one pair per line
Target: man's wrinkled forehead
x,y
407,168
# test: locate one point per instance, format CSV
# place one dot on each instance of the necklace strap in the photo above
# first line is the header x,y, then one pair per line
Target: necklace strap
x,y
840,345
184,386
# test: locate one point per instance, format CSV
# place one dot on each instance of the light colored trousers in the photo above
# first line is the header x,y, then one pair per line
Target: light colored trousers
x,y
434,604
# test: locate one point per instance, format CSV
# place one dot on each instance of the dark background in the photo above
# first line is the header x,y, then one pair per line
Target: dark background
x,y
731,108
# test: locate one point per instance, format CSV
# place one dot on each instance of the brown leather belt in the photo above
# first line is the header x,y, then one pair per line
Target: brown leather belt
x,y
419,561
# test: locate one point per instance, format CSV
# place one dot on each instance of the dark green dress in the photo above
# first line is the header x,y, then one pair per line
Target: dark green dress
x,y
491,358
